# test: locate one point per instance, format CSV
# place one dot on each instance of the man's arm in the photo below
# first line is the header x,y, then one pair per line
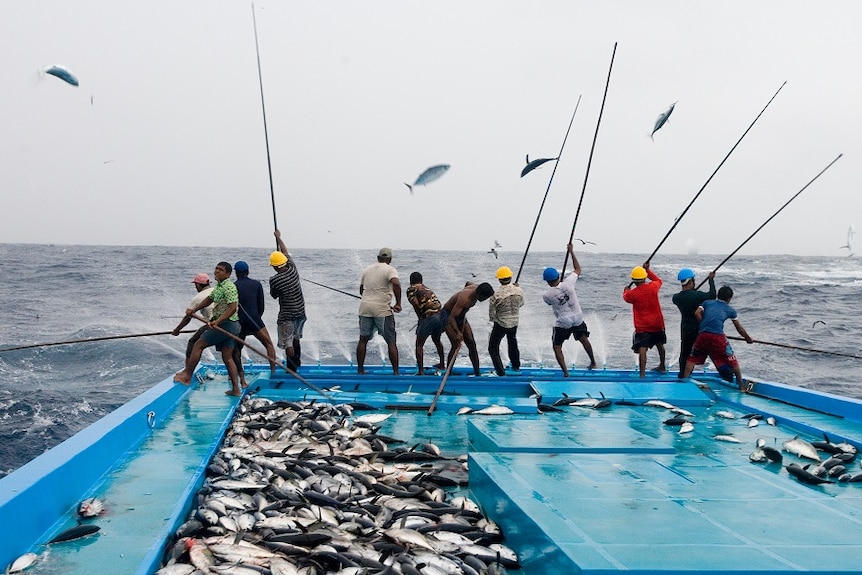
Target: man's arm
x,y
231,309
281,247
193,310
396,289
576,265
698,313
742,331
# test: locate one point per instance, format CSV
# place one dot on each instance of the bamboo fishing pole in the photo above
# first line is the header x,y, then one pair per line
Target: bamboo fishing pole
x,y
103,338
261,353
724,261
265,133
590,160
445,377
797,347
679,217
548,189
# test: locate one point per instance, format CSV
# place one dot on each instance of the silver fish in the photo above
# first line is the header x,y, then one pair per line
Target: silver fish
x,y
800,448
494,410
63,73
428,176
686,427
659,403
727,438
534,164
23,562
725,415
662,118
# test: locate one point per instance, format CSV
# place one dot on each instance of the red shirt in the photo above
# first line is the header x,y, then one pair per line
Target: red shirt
x,y
646,308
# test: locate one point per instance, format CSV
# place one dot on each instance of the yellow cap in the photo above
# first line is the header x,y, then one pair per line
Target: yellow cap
x,y
503,272
277,259
638,273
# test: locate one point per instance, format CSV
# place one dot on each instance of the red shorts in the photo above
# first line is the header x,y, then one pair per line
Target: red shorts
x,y
716,346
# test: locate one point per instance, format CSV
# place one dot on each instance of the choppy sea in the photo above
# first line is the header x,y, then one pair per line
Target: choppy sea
x,y
61,293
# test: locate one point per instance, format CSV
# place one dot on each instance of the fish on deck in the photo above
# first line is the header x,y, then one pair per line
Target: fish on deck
x,y
63,73
661,120
428,176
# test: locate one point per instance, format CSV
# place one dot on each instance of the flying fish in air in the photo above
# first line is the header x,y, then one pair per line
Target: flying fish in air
x,y
851,235
428,176
534,164
660,121
63,73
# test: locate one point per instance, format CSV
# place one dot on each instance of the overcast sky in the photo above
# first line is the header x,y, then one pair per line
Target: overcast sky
x,y
163,141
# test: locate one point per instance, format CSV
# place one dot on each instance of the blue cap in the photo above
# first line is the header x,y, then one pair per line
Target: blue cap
x,y
240,266
684,275
550,274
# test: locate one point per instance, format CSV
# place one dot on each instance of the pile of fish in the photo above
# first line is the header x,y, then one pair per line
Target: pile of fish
x,y
305,488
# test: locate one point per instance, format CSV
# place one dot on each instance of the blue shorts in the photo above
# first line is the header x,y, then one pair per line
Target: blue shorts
x,y
220,339
433,325
385,326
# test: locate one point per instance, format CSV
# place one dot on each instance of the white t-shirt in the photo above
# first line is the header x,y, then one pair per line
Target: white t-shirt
x,y
376,282
206,312
564,301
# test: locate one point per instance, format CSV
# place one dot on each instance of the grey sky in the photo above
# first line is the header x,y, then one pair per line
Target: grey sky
x,y
363,96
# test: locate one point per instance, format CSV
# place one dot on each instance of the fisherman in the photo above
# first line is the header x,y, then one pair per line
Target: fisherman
x,y
648,318
688,300
226,319
711,340
453,318
378,284
504,311
286,287
569,317
251,307
202,285
426,304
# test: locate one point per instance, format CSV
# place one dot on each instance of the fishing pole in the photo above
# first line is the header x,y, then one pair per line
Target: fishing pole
x,y
548,189
797,347
679,217
590,160
104,338
262,354
445,377
332,288
265,133
724,261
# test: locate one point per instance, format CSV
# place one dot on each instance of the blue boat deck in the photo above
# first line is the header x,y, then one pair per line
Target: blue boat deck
x,y
581,490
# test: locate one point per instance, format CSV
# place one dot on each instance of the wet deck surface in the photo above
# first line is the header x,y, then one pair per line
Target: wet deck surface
x,y
581,490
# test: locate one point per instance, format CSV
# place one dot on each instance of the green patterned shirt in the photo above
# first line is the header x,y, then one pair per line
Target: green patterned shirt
x,y
224,294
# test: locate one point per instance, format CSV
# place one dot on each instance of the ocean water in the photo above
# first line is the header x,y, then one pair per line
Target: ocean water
x,y
61,293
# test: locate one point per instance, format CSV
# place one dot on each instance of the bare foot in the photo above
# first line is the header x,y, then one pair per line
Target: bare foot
x,y
592,366
233,392
659,369
181,377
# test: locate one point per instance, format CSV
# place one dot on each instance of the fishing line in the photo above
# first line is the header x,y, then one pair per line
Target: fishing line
x,y
797,347
679,217
590,160
724,261
265,132
332,288
548,189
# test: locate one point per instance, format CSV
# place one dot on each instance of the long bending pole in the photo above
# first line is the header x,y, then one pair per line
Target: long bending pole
x,y
265,133
679,218
103,338
590,161
548,189
797,347
769,219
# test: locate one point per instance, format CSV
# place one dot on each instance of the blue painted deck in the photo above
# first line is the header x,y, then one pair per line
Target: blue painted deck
x,y
580,491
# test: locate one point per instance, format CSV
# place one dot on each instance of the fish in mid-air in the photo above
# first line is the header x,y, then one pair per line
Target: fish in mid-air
x,y
63,73
662,118
851,235
534,164
428,176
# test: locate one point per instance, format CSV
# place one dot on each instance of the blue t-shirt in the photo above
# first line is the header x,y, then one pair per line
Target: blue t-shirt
x,y
715,312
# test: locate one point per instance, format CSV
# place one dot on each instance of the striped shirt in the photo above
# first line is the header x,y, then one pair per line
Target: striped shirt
x,y
286,287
